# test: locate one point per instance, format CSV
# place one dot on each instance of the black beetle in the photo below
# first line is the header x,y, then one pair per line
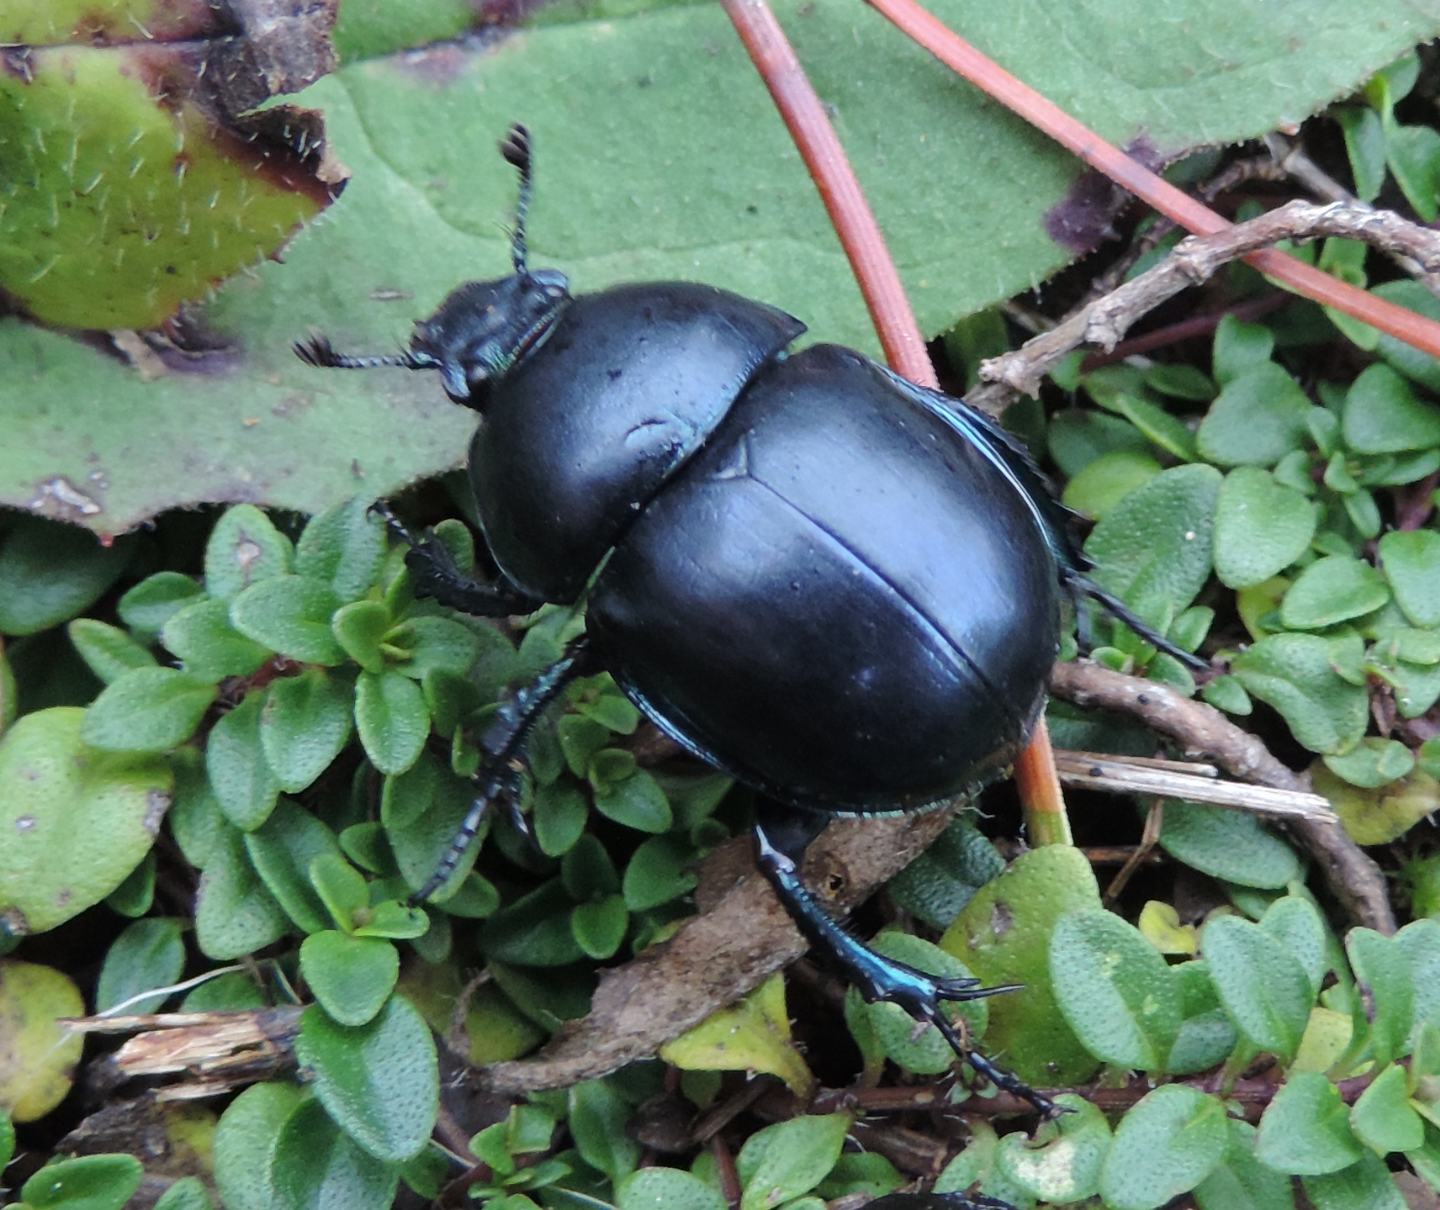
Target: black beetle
x,y
839,587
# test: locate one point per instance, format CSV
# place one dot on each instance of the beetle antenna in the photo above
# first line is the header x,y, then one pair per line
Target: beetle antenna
x,y
515,147
318,351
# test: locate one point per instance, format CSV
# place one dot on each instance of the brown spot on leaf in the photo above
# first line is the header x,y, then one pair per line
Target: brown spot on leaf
x,y
18,61
1002,919
13,923
1085,216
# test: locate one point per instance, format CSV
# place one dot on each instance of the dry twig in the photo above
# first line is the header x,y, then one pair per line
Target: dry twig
x,y
1197,783
1194,260
1203,732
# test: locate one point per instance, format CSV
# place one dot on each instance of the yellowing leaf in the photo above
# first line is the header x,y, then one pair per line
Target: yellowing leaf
x,y
751,1035
37,1056
1160,925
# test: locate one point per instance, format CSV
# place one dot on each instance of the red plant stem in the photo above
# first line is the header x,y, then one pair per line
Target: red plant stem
x,y
1035,776
1197,218
824,156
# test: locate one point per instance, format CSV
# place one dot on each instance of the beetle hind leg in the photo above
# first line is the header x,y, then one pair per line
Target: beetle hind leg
x,y
877,977
437,575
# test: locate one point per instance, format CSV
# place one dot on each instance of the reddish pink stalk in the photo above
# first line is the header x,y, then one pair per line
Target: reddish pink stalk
x,y
1042,113
900,336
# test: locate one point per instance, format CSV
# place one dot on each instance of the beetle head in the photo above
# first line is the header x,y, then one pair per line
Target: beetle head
x,y
484,328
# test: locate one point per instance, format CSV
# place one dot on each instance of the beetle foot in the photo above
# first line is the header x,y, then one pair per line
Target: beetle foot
x,y
429,560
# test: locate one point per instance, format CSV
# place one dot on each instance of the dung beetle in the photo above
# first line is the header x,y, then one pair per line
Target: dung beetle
x,y
839,587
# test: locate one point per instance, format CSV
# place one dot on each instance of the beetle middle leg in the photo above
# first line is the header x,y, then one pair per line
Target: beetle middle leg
x,y
875,976
437,575
504,742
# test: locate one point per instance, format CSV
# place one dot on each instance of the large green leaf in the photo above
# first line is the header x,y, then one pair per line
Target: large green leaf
x,y
637,180
76,821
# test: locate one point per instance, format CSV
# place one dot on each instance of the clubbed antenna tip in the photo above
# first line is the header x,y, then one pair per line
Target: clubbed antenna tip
x,y
515,147
318,351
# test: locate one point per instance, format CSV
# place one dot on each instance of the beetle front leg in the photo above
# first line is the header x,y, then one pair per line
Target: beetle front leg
x,y
437,575
504,742
879,978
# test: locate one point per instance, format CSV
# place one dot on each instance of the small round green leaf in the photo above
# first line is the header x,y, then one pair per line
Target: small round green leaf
x,y
1242,1180
1380,815
291,615
1003,936
1372,763
1383,415
1367,1184
235,762
282,850
148,710
1261,527
1295,922
636,801
1258,418
558,816
378,1081
304,725
1108,480
208,645
245,1142
668,1187
1416,365
341,887
788,1159
50,572
599,927
360,628
1263,988
1332,590
148,606
74,821
1239,347
188,1193
659,871
1114,989
1305,1130
1411,560
84,1182
316,1165
428,644
344,547
1295,673
1383,975
148,953
351,977
244,549
1383,1118
599,1121
234,912
392,719
107,650
1228,844
1164,1146
534,930
1155,545
1065,1167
